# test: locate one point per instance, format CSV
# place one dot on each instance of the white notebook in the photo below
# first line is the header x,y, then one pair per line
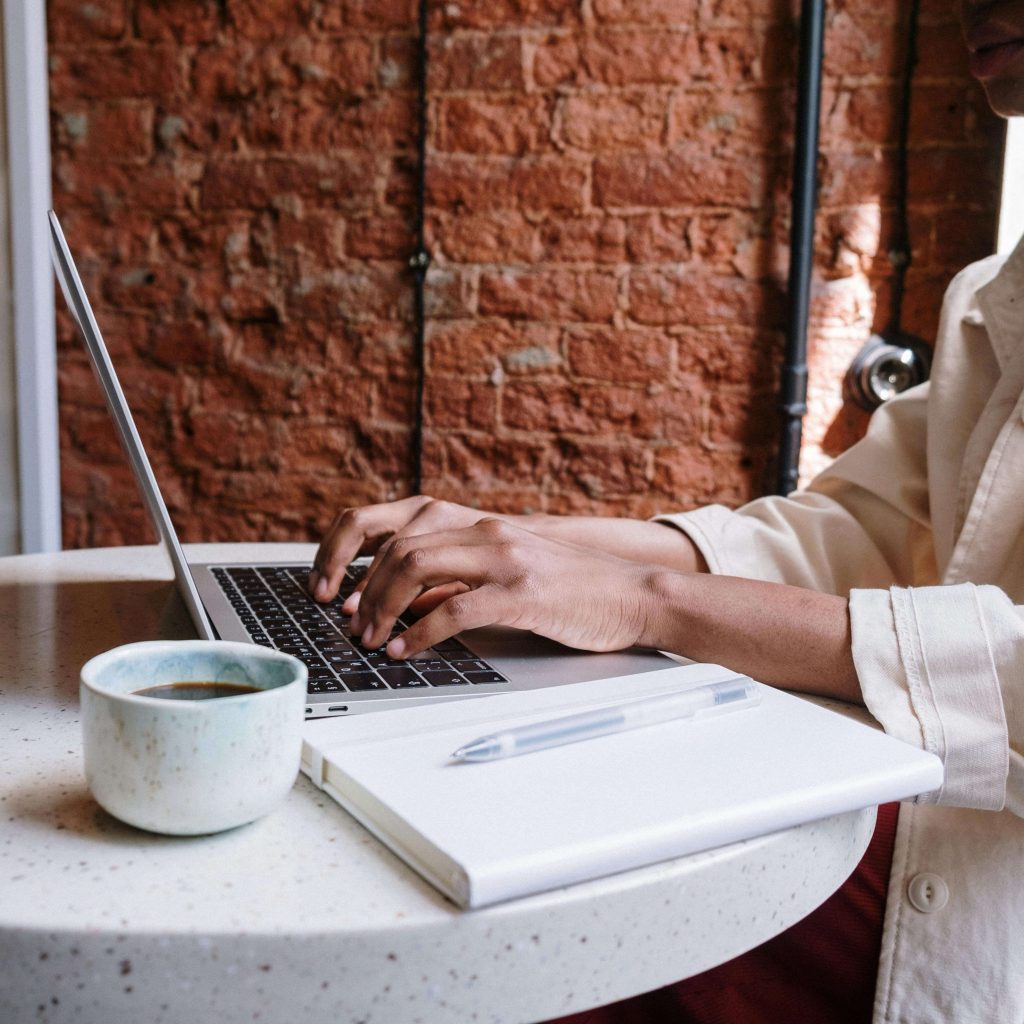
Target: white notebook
x,y
492,831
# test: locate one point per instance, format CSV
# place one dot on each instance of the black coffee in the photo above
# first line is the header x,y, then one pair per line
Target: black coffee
x,y
197,690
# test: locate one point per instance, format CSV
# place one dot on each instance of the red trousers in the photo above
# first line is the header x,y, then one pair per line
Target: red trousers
x,y
822,970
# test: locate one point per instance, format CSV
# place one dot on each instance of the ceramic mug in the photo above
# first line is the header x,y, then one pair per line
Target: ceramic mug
x,y
189,767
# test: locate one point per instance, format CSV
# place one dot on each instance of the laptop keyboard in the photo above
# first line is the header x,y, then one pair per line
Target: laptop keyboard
x,y
277,611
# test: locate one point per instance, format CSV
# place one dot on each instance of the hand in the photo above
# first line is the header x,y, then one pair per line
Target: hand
x,y
362,531
507,576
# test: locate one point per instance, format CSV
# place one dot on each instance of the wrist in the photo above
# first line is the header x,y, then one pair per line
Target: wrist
x,y
667,602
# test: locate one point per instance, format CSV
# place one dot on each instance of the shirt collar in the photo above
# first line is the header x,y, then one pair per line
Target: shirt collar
x,y
1001,303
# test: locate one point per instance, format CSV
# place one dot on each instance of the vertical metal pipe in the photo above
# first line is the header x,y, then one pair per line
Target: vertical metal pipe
x,y
793,388
419,262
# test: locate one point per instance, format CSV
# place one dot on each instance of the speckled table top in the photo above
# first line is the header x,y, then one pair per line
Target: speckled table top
x,y
302,916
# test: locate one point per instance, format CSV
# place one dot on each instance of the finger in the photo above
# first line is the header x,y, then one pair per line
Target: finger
x,y
427,601
485,606
430,599
432,517
412,567
356,531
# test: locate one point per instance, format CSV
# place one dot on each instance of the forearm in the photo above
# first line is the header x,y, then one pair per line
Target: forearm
x,y
638,540
787,636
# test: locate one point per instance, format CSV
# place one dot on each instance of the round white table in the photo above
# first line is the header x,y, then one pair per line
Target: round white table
x,y
303,916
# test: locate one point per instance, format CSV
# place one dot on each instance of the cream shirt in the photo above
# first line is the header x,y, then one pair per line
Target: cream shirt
x,y
922,525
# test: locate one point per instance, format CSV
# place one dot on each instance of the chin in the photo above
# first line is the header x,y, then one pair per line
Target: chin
x,y
1006,97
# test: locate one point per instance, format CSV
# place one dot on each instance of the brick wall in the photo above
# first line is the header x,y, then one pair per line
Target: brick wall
x,y
607,214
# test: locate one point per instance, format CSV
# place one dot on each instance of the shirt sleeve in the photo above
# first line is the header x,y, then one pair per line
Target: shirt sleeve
x,y
854,526
939,666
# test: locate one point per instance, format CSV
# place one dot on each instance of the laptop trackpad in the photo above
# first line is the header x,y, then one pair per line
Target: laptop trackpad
x,y
530,660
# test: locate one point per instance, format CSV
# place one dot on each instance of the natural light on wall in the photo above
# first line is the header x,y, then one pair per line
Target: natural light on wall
x,y
1011,209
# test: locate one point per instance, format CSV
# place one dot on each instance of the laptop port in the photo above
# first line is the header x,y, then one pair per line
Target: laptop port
x,y
338,707
309,711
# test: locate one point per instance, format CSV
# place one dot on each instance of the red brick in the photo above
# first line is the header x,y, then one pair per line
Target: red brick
x,y
591,239
646,12
730,122
477,348
625,57
636,356
181,21
549,295
505,237
111,190
941,51
963,235
381,123
248,184
371,290
953,175
121,132
176,345
681,177
680,296
737,417
450,293
482,460
602,410
742,356
744,56
70,21
124,72
380,14
658,238
601,470
476,185
483,62
600,122
458,404
512,127
505,13
379,238
268,19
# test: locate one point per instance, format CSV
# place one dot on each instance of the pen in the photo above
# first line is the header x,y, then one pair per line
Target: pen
x,y
728,695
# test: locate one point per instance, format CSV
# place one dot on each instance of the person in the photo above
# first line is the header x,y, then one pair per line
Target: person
x,y
895,579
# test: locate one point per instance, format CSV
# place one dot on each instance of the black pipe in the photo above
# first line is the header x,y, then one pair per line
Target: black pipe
x,y
793,387
419,262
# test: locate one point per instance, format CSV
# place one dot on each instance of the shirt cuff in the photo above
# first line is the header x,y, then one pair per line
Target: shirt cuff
x,y
703,526
926,659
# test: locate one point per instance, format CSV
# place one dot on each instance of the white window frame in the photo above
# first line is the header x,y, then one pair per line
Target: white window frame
x,y
1011,206
35,348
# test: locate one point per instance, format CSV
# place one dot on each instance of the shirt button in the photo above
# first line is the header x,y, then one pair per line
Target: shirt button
x,y
927,892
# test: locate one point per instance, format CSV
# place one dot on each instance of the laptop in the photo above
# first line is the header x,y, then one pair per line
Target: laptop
x,y
268,604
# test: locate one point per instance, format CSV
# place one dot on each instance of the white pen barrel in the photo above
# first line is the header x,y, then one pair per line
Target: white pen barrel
x,y
566,730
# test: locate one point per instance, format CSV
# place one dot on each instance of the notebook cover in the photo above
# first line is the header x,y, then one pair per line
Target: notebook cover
x,y
486,832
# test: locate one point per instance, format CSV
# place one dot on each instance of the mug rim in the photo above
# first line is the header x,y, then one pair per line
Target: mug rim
x,y
88,672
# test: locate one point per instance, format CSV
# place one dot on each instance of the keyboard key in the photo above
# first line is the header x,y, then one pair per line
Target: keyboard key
x,y
444,678
401,678
486,677
363,681
469,666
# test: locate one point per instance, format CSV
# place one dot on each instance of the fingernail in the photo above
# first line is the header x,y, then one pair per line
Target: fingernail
x,y
322,589
352,601
367,633
396,648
